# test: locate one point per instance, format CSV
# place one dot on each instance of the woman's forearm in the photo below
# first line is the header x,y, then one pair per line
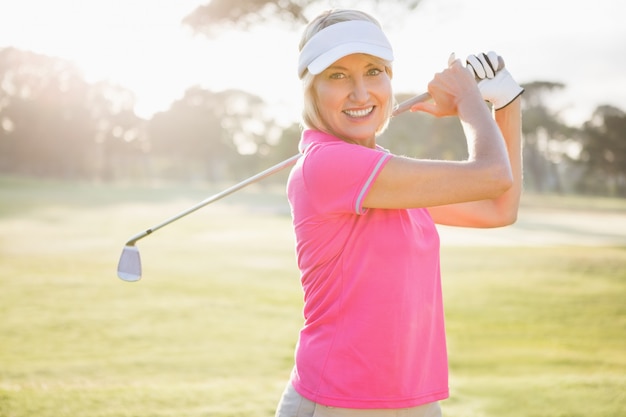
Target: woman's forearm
x,y
509,121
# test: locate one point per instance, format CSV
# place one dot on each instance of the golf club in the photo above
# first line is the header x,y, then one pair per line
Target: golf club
x,y
129,265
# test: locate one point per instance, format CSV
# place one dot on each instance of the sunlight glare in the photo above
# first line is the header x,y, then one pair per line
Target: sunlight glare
x,y
143,47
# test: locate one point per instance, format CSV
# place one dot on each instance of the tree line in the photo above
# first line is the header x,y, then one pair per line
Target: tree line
x,y
54,124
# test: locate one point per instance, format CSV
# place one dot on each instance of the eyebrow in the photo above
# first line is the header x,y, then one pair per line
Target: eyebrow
x,y
339,67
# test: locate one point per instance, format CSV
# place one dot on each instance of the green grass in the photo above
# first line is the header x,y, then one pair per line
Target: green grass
x,y
537,331
210,329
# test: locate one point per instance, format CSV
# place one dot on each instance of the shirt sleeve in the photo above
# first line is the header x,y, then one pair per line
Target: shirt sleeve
x,y
338,176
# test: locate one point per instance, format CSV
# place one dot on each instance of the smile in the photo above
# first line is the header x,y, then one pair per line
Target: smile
x,y
359,113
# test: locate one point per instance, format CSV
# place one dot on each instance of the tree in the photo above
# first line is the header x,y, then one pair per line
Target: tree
x,y
250,129
245,13
120,140
424,136
213,136
52,122
43,116
542,129
604,151
188,141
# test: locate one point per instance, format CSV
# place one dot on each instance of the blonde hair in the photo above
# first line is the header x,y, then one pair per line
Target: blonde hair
x,y
310,112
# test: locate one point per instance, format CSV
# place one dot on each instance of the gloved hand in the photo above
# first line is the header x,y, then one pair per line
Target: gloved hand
x,y
495,83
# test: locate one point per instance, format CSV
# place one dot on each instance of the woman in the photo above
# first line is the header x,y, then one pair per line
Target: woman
x,y
373,341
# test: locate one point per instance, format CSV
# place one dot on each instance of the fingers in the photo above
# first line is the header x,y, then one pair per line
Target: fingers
x,y
433,108
484,66
455,64
494,81
489,70
494,61
425,107
482,75
451,59
473,64
454,83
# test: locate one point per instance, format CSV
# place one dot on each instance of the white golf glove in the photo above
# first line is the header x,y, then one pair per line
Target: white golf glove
x,y
495,83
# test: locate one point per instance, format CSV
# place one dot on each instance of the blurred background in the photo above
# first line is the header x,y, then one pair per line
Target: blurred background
x,y
152,91
117,114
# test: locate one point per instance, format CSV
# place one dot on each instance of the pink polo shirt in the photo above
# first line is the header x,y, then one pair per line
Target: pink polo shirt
x,y
373,335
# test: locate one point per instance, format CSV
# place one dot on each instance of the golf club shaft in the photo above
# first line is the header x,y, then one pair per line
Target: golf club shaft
x,y
407,104
404,106
258,177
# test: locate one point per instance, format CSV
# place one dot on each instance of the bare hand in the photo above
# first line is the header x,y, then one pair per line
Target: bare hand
x,y
448,88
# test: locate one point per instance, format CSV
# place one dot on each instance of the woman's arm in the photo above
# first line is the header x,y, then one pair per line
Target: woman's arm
x,y
485,175
502,210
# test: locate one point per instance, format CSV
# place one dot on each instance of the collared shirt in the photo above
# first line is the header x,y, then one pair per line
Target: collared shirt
x,y
374,332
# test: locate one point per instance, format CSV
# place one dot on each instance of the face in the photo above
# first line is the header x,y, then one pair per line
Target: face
x,y
352,97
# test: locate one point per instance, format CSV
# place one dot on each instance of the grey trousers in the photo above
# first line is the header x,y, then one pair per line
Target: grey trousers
x,y
293,404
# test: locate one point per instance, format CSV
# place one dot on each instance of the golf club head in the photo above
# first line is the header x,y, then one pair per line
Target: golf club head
x,y
129,266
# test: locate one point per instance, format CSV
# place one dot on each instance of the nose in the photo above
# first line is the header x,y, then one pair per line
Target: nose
x,y
359,92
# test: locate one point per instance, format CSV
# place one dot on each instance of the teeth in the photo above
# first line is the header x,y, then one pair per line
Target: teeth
x,y
359,113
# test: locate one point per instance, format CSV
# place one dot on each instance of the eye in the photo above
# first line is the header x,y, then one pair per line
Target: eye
x,y
336,75
374,71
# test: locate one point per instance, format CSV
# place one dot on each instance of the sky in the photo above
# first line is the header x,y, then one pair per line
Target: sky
x,y
141,45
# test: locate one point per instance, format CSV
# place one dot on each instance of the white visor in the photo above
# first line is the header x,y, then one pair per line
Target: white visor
x,y
343,39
